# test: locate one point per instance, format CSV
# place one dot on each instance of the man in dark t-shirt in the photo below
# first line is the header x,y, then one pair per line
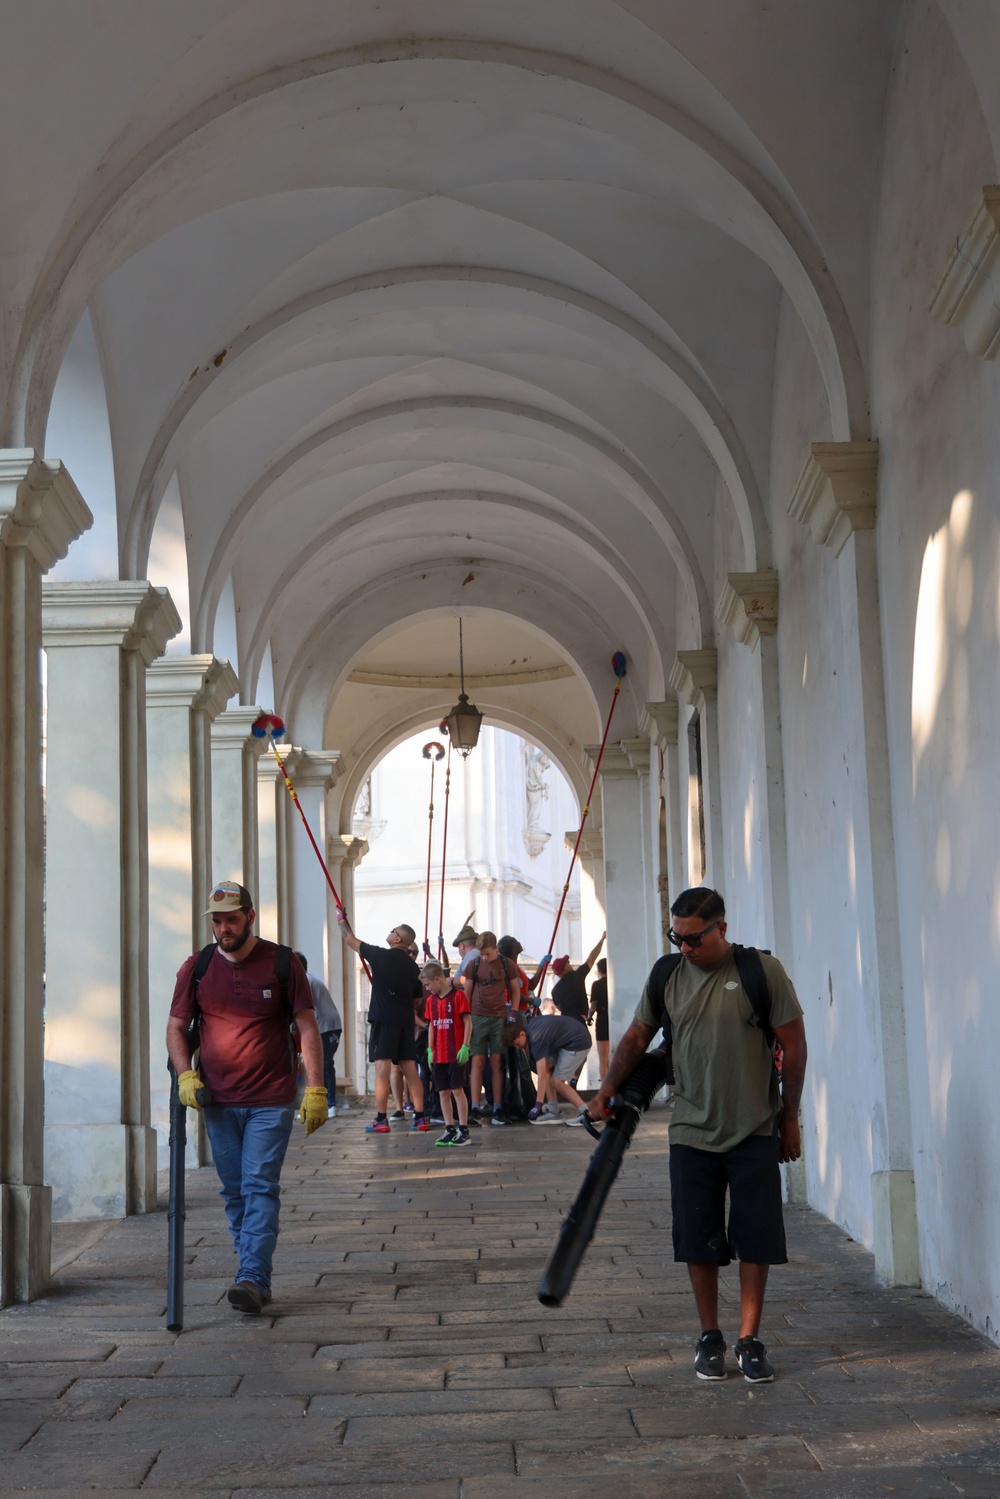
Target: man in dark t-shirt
x,y
248,1063
557,1047
569,992
392,1036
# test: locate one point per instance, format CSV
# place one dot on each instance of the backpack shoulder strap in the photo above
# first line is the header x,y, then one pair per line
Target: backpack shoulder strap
x,y
754,981
659,976
201,966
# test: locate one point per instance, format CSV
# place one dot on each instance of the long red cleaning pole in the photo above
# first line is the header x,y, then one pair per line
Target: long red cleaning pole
x,y
619,664
442,950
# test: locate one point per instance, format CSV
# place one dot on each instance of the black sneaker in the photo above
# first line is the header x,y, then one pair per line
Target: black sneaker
x,y
475,1118
397,1114
710,1356
751,1355
462,1136
498,1117
449,1137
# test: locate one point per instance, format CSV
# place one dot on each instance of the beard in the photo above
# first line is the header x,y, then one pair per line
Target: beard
x,y
233,941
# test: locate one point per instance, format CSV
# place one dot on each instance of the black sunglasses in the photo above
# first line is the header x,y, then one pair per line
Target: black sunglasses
x,y
695,939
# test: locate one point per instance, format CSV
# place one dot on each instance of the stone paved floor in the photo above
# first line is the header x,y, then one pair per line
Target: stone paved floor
x,y
406,1352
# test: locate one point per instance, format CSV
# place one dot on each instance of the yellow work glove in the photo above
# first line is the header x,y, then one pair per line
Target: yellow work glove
x,y
313,1112
189,1085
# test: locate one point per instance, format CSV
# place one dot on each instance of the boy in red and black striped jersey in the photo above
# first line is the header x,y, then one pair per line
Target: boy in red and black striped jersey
x,y
448,1035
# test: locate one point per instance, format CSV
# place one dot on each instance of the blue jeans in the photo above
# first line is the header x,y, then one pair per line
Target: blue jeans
x,y
248,1147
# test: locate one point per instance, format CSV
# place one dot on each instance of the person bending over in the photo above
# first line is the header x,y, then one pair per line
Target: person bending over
x,y
395,985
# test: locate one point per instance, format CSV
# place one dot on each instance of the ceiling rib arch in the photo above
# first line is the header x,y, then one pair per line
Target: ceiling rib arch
x,y
633,480
296,577
102,233
689,391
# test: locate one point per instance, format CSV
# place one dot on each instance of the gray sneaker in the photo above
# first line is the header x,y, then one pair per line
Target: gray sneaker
x,y
710,1356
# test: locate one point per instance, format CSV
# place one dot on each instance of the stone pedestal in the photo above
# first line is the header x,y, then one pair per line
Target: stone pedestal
x,y
185,694
344,854
235,755
100,1150
41,513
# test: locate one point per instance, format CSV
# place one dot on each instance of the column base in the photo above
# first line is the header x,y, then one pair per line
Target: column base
x,y
87,1166
25,1242
140,1144
894,1215
796,1188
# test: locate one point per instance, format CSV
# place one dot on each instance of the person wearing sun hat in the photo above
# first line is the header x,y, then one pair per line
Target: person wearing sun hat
x,y
248,1064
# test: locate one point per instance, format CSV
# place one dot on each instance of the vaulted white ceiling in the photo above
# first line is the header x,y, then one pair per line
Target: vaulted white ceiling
x,y
439,307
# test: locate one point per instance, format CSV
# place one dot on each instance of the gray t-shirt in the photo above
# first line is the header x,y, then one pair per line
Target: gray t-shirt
x,y
725,1088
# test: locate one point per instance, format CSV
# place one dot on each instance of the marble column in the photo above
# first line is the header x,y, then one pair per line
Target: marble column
x,y
694,678
660,722
235,756
100,1151
41,513
315,772
836,496
748,605
344,854
270,788
631,946
185,694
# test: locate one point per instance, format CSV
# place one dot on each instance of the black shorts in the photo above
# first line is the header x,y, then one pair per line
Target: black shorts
x,y
698,1183
449,1076
389,1041
601,1031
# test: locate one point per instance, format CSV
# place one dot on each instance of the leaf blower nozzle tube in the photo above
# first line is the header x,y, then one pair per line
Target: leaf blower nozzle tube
x,y
578,1226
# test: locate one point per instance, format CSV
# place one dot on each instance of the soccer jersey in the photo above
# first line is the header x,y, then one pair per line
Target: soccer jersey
x,y
446,1027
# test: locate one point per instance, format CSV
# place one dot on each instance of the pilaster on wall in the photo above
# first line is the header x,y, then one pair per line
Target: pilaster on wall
x,y
628,876
967,295
41,514
235,753
841,514
184,696
100,1150
748,605
694,677
660,722
315,773
344,853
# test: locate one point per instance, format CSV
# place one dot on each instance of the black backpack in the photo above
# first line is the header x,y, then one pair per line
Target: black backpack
x,y
282,971
752,977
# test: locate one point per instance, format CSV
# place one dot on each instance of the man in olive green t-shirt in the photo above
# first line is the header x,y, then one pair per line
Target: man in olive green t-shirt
x,y
732,1122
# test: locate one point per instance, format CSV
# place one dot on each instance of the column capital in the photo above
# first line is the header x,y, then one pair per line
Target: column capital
x,y
202,683
318,768
837,491
345,848
748,604
967,295
636,752
40,506
591,844
615,763
695,676
659,721
232,731
134,616
267,768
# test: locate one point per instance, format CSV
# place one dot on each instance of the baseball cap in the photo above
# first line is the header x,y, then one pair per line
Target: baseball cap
x,y
560,965
228,896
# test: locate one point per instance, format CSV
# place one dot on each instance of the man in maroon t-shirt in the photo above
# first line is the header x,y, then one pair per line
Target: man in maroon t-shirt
x,y
247,1061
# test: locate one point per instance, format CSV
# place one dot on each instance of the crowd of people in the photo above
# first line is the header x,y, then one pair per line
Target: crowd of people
x,y
431,1034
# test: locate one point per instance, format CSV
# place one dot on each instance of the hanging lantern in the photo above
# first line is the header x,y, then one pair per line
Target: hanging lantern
x,y
465,720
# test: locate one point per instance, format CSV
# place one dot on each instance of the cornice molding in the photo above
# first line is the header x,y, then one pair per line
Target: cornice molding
x,y
591,844
637,752
748,605
232,731
133,616
319,768
694,676
837,492
345,848
615,763
659,721
202,683
40,506
967,294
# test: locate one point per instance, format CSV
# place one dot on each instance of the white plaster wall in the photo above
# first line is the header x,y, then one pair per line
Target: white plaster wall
x,y
819,744
937,411
79,436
